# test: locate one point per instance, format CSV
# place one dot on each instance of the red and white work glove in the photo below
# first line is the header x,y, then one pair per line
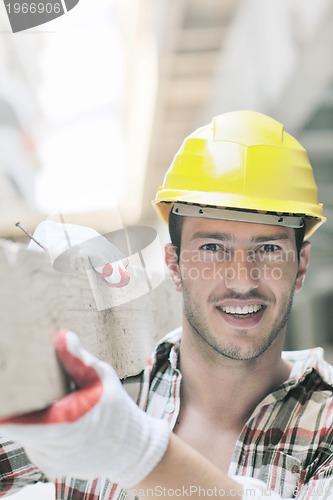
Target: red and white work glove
x,y
106,259
95,431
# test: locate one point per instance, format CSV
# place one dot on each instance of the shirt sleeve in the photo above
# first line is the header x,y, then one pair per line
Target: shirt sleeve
x,y
16,470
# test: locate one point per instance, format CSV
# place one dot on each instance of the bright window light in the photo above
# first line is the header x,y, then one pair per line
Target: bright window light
x,y
83,166
82,145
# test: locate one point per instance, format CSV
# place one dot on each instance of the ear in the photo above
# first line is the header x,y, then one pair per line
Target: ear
x,y
304,259
171,260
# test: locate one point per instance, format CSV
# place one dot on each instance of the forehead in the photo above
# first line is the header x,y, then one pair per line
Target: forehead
x,y
197,228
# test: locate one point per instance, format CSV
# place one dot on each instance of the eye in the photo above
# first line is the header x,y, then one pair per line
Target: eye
x,y
269,248
211,247
213,252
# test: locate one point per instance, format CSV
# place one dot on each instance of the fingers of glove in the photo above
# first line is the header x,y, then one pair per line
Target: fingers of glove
x,y
84,368
91,375
87,372
66,410
81,366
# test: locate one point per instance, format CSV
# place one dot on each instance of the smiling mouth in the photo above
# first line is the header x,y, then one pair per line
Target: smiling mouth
x,y
241,312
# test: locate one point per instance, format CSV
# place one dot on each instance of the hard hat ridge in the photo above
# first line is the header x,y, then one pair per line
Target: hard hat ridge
x,y
242,160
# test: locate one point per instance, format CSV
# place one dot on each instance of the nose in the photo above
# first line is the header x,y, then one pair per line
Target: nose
x,y
241,273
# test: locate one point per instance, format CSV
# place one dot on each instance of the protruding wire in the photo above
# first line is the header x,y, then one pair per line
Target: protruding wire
x,y
18,224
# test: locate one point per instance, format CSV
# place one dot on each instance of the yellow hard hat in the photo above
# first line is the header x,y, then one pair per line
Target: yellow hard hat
x,y
243,161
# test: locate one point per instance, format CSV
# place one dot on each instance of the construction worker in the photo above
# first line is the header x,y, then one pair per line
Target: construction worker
x,y
220,410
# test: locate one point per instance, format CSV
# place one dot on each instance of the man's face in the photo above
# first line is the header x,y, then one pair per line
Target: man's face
x,y
238,281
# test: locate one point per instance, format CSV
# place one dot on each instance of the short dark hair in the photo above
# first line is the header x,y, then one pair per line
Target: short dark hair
x,y
175,231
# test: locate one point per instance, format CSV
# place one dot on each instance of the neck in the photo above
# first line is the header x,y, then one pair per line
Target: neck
x,y
224,389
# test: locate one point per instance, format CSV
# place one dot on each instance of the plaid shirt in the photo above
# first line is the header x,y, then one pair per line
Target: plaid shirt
x,y
287,442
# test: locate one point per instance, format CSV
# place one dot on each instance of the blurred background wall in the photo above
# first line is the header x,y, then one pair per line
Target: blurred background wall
x,y
94,104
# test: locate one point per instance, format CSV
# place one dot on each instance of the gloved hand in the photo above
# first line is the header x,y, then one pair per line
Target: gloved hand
x,y
95,431
61,239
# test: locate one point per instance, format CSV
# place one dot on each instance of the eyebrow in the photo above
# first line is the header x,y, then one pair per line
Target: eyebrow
x,y
229,237
272,237
212,236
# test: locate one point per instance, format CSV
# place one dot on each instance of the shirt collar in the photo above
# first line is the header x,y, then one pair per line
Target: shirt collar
x,y
167,351
303,361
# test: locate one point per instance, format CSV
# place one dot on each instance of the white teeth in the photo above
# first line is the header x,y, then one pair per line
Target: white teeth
x,y
242,310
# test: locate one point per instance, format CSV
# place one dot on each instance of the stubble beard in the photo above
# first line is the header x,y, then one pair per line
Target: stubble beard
x,y
200,328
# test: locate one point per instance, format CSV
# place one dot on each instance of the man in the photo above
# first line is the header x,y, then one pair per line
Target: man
x,y
247,421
